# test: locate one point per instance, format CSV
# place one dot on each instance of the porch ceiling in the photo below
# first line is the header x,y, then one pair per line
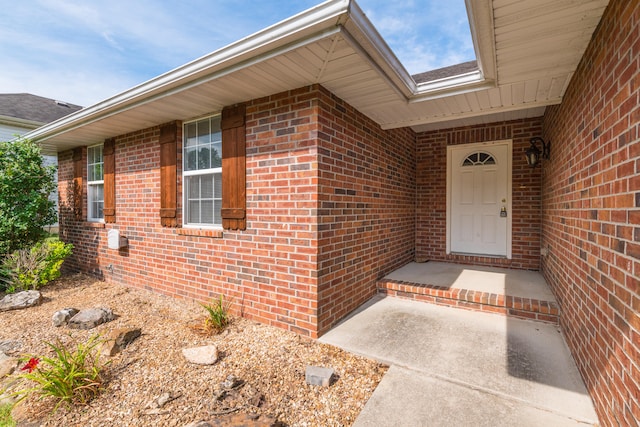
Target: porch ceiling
x,y
527,51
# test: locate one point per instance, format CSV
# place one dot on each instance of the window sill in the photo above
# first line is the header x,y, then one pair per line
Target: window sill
x,y
200,232
93,224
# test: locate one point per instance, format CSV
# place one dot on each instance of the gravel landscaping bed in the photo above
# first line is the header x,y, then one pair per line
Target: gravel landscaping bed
x,y
268,364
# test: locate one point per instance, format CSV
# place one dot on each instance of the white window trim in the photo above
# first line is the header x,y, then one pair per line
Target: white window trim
x,y
186,174
91,184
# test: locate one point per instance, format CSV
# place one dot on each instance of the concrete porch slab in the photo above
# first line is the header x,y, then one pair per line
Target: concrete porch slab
x,y
503,281
460,367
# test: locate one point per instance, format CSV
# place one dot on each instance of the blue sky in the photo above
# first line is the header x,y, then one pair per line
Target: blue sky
x,y
83,51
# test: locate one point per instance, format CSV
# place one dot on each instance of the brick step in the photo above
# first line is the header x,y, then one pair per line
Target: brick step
x,y
511,306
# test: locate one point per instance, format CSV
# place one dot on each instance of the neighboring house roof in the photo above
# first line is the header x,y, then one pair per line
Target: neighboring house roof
x,y
526,50
446,72
34,109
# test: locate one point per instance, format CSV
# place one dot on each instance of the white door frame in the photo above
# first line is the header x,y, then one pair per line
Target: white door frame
x,y
473,146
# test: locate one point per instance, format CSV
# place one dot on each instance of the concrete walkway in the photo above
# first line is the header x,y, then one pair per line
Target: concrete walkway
x,y
452,367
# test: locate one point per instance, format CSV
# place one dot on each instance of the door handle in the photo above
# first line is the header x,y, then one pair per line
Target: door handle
x,y
503,212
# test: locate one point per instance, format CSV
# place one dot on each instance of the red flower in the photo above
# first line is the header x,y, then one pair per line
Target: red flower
x,y
31,364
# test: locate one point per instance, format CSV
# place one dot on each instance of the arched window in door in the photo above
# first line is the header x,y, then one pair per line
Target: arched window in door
x,y
479,158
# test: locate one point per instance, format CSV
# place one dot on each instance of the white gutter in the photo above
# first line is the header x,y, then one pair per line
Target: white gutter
x,y
15,121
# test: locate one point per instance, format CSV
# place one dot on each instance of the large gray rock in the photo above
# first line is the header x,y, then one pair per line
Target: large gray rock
x,y
206,355
10,346
62,317
90,318
20,300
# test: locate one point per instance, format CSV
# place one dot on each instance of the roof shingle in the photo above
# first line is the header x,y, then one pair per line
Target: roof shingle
x,y
34,108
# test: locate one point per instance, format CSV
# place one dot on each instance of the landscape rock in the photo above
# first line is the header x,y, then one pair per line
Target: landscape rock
x,y
9,346
231,382
245,420
7,365
206,355
62,317
20,300
316,375
118,339
90,318
162,400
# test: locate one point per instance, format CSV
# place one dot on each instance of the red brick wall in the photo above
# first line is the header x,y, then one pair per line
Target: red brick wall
x,y
366,194
591,214
272,270
431,227
269,270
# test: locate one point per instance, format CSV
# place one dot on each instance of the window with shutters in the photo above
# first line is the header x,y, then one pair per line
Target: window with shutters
x,y
95,183
202,172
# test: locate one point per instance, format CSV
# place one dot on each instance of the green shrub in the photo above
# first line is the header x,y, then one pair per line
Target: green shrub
x,y
32,268
69,377
25,185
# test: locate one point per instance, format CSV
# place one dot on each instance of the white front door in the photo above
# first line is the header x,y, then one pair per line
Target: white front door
x,y
479,220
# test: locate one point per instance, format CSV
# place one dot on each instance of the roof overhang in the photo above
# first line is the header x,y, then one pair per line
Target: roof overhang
x,y
334,44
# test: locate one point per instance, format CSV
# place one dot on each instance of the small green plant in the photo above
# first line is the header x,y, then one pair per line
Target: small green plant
x,y
72,377
32,268
5,416
218,315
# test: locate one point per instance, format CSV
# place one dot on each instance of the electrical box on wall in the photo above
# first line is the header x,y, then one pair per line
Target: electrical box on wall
x,y
115,240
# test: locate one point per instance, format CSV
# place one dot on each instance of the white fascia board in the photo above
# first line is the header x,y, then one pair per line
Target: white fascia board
x,y
450,86
328,15
378,51
481,24
468,114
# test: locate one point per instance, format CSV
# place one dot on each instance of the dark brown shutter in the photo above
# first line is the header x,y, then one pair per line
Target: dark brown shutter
x,y
109,159
233,168
77,182
168,174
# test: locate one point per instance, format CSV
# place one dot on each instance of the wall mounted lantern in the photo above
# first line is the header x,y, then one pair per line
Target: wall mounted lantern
x,y
533,153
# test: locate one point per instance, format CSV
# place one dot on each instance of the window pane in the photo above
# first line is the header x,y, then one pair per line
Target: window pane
x,y
191,159
204,161
217,211
206,210
193,211
216,155
206,183
203,132
96,200
98,173
97,209
217,185
190,135
216,135
99,193
193,185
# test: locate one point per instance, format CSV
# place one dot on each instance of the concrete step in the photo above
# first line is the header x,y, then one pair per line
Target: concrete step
x,y
462,295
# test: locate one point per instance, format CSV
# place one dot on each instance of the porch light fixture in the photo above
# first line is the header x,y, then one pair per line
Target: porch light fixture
x,y
533,153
